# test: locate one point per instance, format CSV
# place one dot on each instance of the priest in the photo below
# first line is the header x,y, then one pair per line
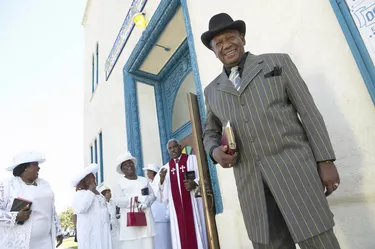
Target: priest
x,y
176,184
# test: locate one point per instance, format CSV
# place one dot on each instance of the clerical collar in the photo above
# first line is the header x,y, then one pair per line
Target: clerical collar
x,y
178,159
241,65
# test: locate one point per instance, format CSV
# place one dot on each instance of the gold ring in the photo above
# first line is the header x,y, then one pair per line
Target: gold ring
x,y
336,185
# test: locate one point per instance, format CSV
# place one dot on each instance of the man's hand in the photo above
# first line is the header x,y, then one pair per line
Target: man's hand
x,y
59,240
24,214
329,177
162,174
225,160
190,185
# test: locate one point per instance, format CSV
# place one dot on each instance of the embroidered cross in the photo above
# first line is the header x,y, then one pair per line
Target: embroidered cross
x,y
173,170
182,168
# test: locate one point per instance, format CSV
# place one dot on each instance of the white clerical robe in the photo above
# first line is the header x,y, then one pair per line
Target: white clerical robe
x,y
163,193
93,224
135,237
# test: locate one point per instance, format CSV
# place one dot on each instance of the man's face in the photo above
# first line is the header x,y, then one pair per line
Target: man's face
x,y
228,46
174,150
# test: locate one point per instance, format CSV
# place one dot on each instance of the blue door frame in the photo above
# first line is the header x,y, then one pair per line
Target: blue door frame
x,y
356,44
181,63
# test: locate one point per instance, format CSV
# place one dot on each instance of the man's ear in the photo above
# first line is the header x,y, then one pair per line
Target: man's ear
x,y
243,39
214,53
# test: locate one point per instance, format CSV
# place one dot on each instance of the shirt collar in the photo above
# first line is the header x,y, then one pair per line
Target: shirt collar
x,y
179,158
241,65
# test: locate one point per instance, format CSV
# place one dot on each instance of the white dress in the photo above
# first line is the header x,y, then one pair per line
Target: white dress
x,y
115,231
135,237
93,225
41,229
160,212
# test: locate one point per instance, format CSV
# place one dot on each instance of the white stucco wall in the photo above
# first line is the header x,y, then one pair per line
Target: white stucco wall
x,y
151,150
310,33
105,109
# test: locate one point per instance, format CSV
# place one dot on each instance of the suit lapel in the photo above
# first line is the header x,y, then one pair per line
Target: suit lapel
x,y
225,85
252,68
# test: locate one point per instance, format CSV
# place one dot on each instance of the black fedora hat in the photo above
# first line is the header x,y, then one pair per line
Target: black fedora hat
x,y
219,23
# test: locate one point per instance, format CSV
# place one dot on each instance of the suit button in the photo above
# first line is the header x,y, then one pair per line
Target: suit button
x,y
257,159
242,100
252,139
245,120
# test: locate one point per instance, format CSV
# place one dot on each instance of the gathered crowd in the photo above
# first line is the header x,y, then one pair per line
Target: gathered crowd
x,y
144,213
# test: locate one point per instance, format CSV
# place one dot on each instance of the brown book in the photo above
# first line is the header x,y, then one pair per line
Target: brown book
x,y
228,139
18,205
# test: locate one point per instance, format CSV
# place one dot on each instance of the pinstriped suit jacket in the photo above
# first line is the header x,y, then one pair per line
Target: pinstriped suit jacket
x,y
275,146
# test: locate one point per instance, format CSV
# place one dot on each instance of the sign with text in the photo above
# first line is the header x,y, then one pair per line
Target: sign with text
x,y
123,36
363,13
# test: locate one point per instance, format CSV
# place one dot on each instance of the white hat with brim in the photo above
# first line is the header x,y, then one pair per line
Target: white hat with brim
x,y
123,158
26,157
152,167
103,187
91,169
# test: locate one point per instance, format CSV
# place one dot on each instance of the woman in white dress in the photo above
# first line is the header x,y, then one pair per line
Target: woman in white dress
x,y
114,214
160,212
93,225
127,188
41,224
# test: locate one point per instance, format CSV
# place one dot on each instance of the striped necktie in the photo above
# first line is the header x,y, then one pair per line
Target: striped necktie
x,y
234,77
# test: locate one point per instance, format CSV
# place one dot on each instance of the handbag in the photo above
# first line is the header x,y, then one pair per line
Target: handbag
x,y
135,219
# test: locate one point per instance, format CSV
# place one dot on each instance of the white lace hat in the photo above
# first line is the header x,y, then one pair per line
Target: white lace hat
x,y
92,168
152,167
123,158
26,157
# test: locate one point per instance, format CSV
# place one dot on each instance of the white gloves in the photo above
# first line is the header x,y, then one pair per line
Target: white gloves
x,y
142,206
142,198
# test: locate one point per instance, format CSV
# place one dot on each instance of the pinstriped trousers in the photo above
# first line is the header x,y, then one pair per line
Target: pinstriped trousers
x,y
280,237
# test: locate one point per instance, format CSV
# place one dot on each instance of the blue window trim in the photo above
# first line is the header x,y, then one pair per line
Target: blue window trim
x,y
132,74
91,154
93,74
356,44
96,157
101,166
97,63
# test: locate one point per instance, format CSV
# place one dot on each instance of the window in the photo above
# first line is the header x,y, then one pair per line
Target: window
x,y
101,169
93,75
91,154
357,21
97,63
96,158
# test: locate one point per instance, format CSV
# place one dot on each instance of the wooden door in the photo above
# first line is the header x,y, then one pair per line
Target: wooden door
x,y
196,142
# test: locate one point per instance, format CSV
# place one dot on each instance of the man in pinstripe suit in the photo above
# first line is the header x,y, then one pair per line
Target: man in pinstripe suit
x,y
284,164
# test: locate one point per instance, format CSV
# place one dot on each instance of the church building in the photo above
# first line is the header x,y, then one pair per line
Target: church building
x,y
142,58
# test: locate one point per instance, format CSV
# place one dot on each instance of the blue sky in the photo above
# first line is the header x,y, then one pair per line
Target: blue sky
x,y
41,87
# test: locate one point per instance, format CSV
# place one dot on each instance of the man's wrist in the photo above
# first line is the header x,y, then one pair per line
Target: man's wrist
x,y
212,152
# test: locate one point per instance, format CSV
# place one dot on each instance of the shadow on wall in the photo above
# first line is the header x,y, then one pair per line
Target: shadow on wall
x,y
353,204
